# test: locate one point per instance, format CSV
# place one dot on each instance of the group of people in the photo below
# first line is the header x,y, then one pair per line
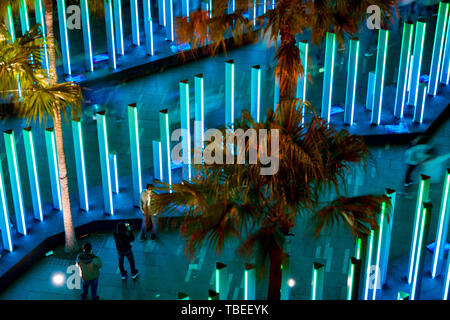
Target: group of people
x,y
90,264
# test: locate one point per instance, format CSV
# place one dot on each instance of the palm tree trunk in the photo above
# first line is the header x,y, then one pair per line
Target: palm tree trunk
x,y
70,239
275,274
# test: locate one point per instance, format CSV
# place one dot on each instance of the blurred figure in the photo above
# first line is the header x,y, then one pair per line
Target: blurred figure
x,y
123,238
418,151
149,220
89,265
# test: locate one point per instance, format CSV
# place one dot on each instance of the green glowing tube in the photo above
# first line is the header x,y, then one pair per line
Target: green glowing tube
x,y
353,279
445,70
53,168
4,215
445,291
387,228
380,71
403,74
222,280
10,23
317,281
165,146
33,175
422,196
16,185
104,162
135,152
416,65
416,283
303,81
327,94
23,13
186,128
249,282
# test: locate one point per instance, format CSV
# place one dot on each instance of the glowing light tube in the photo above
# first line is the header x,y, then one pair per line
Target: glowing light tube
x,y
169,21
387,234
33,175
327,93
16,185
162,12
379,244
40,19
109,22
4,215
402,295
416,65
10,22
222,280
354,275
165,146
229,93
114,173
135,152
256,93
368,263
213,295
185,128
23,13
422,196
104,162
445,291
55,182
416,284
135,22
303,81
370,91
436,58
403,74
249,282
86,25
285,273
199,124
182,296
148,28
185,8
157,160
80,164
352,74
317,281
445,71
380,71
64,36
118,27
442,228
252,11
276,93
420,106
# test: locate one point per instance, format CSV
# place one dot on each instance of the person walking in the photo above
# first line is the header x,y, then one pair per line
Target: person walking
x,y
123,238
418,151
149,220
89,265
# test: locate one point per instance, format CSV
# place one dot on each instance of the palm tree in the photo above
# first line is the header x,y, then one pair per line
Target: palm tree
x,y
287,19
224,201
42,97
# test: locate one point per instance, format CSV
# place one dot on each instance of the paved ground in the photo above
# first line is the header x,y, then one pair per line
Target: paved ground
x,y
164,269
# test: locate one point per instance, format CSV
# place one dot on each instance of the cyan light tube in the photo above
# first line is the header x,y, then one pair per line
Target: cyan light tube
x,y
80,164
53,168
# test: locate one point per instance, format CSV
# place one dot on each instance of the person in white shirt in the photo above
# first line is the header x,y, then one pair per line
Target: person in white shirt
x,y
149,220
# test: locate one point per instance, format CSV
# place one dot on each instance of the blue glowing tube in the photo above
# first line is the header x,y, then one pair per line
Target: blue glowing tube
x,y
86,25
303,81
53,168
317,282
249,282
165,146
135,152
169,21
118,27
370,91
420,106
114,173
403,74
33,174
327,93
445,70
416,65
437,47
157,160
199,124
386,244
380,71
135,22
4,215
352,74
104,162
185,127
229,93
80,164
256,93
222,280
148,28
64,36
162,12
109,22
442,228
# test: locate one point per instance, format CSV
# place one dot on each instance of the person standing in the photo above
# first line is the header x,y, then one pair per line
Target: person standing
x,y
123,238
89,265
149,220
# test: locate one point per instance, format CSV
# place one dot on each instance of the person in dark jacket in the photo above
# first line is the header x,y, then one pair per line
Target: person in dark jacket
x,y
89,265
123,238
